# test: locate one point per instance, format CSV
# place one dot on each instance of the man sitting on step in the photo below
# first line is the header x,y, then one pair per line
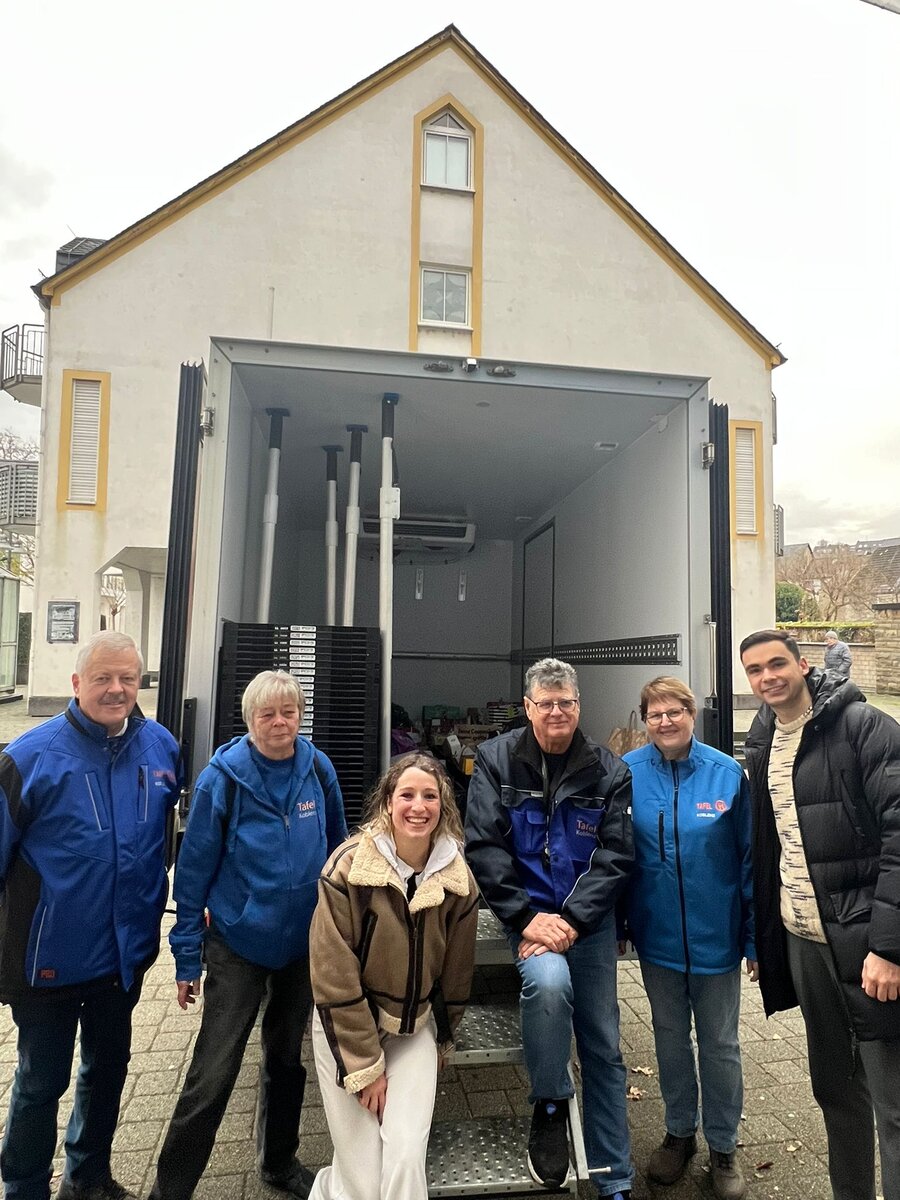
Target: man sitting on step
x,y
548,838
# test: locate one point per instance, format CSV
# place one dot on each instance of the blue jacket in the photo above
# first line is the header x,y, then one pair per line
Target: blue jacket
x,y
254,863
535,849
82,852
690,900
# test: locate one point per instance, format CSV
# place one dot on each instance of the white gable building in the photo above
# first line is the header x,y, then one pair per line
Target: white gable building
x,y
427,210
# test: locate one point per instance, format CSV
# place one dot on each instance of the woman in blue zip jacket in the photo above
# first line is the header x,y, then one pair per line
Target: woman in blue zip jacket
x,y
265,815
690,917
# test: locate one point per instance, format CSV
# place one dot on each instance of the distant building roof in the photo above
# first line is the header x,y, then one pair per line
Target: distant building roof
x,y
885,559
75,250
798,548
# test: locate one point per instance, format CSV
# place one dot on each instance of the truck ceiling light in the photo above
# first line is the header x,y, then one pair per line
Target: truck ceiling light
x,y
606,445
499,371
440,365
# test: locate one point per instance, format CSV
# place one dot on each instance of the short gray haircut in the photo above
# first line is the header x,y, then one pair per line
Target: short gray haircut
x,y
110,641
551,673
270,687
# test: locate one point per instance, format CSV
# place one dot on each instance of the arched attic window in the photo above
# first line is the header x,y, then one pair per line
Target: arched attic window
x,y
447,157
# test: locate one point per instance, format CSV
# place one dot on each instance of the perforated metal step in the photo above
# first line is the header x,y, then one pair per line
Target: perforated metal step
x,y
489,1033
470,1158
491,946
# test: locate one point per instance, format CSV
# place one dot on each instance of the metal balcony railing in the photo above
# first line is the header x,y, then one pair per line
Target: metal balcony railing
x,y
22,355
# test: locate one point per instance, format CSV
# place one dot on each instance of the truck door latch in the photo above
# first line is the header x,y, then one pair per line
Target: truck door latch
x,y
708,452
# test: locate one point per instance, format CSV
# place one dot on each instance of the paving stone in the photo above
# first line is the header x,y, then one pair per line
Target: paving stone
x,y
489,1104
138,1135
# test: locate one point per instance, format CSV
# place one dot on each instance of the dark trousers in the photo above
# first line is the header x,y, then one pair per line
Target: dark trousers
x,y
47,1029
233,992
854,1091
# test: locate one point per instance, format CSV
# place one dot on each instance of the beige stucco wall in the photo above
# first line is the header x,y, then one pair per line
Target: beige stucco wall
x,y
315,247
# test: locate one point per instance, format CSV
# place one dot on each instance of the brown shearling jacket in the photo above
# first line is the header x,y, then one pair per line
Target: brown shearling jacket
x,y
382,964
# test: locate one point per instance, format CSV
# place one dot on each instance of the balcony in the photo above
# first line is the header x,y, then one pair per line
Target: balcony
x,y
18,496
21,362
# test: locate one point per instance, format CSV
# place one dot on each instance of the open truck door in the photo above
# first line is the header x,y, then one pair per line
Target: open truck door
x,y
718,716
173,711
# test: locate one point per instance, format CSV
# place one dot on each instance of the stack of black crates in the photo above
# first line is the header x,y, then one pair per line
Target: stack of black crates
x,y
338,668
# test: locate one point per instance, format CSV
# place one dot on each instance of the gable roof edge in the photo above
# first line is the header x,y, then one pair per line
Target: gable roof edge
x,y
50,289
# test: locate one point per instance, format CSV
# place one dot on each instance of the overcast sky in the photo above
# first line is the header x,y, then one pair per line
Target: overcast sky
x,y
761,137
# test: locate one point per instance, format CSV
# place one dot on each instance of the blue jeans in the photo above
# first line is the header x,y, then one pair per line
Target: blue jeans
x,y
576,992
46,1047
715,1001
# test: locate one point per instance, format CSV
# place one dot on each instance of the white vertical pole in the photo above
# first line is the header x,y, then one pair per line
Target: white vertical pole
x,y
331,533
388,511
352,527
270,514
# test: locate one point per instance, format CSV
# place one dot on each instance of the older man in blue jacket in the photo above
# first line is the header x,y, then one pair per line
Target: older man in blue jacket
x,y
83,805
548,838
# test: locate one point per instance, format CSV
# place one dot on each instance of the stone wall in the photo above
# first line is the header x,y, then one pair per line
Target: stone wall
x,y
866,668
887,644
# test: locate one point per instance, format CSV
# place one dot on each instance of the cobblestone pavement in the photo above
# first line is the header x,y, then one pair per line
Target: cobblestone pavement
x,y
782,1148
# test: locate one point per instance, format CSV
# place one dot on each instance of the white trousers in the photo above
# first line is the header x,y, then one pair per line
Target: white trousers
x,y
386,1161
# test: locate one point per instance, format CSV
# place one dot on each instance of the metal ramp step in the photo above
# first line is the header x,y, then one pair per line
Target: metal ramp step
x,y
477,1157
491,946
489,1033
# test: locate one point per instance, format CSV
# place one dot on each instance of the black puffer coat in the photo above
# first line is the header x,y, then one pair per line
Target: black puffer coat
x,y
847,795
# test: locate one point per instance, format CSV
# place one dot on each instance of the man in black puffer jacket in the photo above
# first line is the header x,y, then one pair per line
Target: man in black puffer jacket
x,y
825,780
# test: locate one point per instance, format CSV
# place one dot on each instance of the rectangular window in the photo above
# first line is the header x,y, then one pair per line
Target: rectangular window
x,y
84,440
745,466
445,296
446,160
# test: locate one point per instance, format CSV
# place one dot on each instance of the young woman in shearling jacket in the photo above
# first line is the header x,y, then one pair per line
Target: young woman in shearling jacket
x,y
392,950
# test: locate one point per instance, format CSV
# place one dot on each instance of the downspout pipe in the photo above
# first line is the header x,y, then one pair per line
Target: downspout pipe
x,y
351,529
331,533
270,514
388,512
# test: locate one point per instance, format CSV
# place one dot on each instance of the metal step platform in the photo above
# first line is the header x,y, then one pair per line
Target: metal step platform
x,y
489,1033
471,1158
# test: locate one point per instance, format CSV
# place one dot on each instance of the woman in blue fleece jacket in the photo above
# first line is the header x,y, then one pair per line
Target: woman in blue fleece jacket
x,y
265,815
690,917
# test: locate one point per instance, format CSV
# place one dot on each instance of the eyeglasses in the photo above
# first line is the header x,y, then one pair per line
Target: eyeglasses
x,y
674,715
547,706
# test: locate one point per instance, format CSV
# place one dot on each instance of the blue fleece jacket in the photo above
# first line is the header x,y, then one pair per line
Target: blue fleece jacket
x,y
82,852
252,860
690,899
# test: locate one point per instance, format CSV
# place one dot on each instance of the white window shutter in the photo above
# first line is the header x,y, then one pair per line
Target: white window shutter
x,y
745,481
84,452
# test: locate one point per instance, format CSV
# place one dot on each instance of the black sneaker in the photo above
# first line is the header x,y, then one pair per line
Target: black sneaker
x,y
296,1180
107,1190
548,1143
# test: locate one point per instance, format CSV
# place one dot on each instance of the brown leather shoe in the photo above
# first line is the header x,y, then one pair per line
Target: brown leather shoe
x,y
668,1160
727,1177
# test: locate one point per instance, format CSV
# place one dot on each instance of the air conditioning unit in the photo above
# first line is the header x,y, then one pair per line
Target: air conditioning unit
x,y
436,534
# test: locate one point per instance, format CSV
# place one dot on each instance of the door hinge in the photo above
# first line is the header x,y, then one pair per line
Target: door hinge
x,y
708,453
207,422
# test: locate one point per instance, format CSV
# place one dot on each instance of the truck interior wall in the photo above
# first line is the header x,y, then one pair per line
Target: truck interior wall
x,y
438,623
244,485
621,565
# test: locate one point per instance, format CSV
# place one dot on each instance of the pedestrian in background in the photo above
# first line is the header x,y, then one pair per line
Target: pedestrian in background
x,y
837,655
84,800
690,916
264,816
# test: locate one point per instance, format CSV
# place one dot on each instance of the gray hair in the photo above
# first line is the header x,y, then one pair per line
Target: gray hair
x,y
268,687
550,673
111,641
